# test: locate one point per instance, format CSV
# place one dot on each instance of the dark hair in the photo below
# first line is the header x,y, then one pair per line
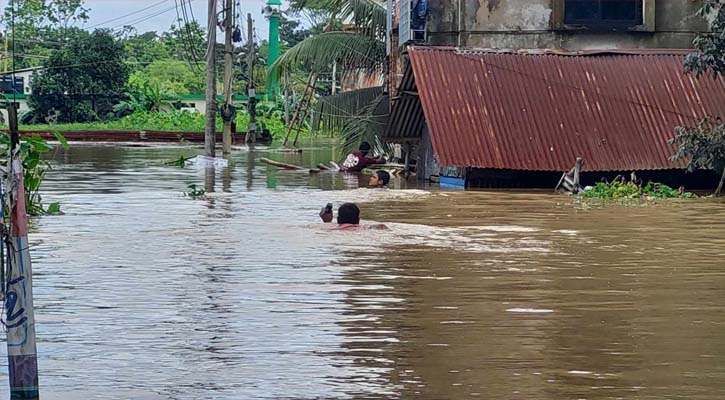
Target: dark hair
x,y
348,213
364,147
384,176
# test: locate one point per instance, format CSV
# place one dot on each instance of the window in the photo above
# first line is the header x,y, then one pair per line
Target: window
x,y
605,15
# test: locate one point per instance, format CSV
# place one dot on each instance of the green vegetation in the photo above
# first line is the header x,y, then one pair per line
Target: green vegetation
x,y
179,162
358,50
174,121
619,190
194,192
34,170
704,145
123,79
82,81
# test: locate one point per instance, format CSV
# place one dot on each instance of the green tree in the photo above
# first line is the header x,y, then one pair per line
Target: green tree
x,y
710,55
357,50
39,27
82,81
177,76
704,145
145,48
186,42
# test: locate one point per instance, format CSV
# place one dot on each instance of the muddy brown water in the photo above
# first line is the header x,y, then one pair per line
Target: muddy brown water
x,y
142,293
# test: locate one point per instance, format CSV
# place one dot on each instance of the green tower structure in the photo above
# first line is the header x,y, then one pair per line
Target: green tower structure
x,y
272,12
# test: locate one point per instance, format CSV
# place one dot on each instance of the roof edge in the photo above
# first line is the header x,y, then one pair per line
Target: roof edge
x,y
555,52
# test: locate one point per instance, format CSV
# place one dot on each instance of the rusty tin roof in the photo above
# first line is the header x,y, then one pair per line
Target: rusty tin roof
x,y
540,111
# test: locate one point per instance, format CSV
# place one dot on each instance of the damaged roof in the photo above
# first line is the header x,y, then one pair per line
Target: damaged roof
x,y
541,110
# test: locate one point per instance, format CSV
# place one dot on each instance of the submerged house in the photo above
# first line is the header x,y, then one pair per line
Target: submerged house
x,y
485,118
509,93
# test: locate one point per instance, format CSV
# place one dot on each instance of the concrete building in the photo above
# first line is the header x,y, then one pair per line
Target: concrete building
x,y
564,24
19,89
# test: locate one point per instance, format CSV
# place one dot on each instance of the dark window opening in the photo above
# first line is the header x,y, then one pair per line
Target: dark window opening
x,y
10,86
603,14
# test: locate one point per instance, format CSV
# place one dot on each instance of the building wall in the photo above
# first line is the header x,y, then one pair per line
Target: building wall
x,y
27,81
22,106
533,24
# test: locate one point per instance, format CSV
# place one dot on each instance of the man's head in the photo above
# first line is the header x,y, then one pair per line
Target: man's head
x,y
379,179
364,148
348,213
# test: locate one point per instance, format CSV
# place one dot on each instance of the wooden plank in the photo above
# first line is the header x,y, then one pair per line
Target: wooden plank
x,y
280,164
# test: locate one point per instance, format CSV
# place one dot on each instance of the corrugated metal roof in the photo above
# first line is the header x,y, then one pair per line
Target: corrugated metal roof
x,y
616,110
406,117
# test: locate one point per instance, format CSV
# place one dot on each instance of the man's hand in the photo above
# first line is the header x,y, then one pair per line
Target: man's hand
x,y
326,215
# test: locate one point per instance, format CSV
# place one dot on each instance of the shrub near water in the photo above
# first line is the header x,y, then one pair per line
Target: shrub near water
x,y
630,190
175,121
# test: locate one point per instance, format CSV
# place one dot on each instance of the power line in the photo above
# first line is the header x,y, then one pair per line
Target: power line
x,y
187,35
129,14
148,17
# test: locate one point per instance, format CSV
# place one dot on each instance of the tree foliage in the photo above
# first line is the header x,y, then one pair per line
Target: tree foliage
x,y
39,26
358,49
704,145
318,53
710,55
81,81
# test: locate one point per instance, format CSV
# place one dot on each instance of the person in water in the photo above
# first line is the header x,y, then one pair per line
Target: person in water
x,y
358,160
379,180
348,217
347,214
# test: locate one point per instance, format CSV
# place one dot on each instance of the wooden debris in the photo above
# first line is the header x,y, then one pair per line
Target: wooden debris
x,y
280,164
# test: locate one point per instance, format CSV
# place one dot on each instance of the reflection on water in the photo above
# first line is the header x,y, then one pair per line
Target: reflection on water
x,y
143,293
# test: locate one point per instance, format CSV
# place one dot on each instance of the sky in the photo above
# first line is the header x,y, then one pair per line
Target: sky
x,y
158,15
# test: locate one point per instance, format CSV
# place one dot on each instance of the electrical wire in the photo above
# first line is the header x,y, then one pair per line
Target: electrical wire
x,y
187,36
146,17
128,15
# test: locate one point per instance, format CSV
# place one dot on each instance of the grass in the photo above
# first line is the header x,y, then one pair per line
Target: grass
x,y
176,121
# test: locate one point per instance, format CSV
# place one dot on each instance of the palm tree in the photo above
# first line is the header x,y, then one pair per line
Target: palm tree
x,y
356,114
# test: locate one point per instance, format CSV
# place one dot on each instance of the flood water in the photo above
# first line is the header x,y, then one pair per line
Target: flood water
x,y
143,293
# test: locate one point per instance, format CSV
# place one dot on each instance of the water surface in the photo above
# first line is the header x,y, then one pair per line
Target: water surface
x,y
144,293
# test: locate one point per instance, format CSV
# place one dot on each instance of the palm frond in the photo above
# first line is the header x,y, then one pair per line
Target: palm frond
x,y
368,16
317,54
331,113
367,125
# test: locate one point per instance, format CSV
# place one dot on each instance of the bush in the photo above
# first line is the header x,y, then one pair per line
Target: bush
x,y
630,190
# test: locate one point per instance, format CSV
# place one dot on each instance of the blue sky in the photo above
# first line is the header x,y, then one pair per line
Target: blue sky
x,y
158,15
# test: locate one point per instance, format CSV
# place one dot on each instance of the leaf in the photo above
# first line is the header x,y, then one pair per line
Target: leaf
x,y
367,125
368,16
317,54
53,209
63,141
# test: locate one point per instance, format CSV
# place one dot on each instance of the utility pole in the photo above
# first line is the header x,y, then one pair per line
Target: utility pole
x,y
210,128
17,278
251,93
228,111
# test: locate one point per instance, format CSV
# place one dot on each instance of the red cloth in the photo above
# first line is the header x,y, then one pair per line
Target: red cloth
x,y
353,227
356,162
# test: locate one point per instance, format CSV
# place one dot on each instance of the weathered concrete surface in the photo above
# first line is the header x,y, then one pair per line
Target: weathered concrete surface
x,y
529,24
